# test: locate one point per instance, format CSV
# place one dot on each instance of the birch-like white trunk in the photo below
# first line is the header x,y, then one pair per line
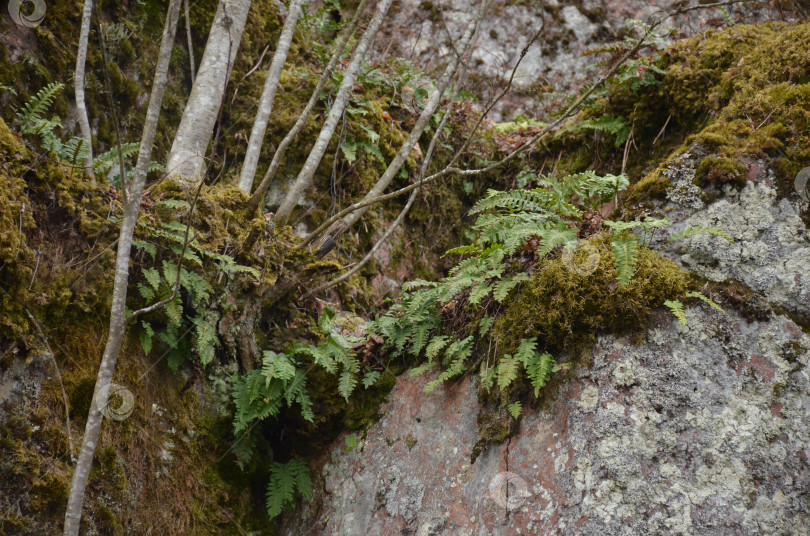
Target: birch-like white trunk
x,y
186,158
465,46
78,83
291,136
118,320
304,179
254,147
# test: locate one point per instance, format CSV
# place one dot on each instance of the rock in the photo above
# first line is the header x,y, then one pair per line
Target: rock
x,y
699,430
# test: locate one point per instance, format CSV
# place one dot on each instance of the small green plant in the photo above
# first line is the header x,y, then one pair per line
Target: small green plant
x,y
541,222
32,121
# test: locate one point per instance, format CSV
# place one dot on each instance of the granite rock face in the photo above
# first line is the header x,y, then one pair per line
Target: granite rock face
x,y
771,249
701,429
425,32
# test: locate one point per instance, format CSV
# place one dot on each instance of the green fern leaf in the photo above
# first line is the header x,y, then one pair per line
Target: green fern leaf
x,y
485,325
539,370
515,409
285,481
508,368
436,345
701,296
146,337
276,366
152,277
370,378
626,252
692,231
347,383
33,110
677,309
505,286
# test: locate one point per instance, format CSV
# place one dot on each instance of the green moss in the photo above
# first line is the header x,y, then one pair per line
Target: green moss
x,y
50,495
563,309
720,170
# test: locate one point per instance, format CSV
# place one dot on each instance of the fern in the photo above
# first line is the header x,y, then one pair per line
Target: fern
x,y
515,409
507,371
40,103
677,309
626,252
701,296
692,231
612,124
286,481
538,369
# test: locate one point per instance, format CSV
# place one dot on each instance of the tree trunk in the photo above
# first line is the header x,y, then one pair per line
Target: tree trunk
x,y
254,147
465,47
78,83
118,321
258,195
186,158
304,179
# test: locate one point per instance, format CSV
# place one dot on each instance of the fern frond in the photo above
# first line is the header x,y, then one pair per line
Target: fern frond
x,y
508,369
692,231
285,480
515,409
485,325
347,383
701,296
626,252
276,366
33,110
436,345
677,309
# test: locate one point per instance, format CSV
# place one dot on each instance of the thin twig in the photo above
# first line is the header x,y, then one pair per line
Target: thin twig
x,y
450,170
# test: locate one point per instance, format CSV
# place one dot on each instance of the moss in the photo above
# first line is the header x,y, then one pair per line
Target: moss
x,y
50,495
563,309
80,395
107,522
720,170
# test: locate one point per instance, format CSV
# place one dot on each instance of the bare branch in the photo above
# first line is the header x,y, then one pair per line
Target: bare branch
x,y
268,96
118,321
302,119
451,170
305,176
78,83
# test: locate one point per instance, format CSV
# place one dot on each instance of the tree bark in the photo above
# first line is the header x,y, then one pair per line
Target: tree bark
x,y
304,179
254,147
186,158
78,83
191,62
118,320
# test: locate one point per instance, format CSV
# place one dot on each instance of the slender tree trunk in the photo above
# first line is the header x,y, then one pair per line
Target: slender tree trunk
x,y
258,195
304,179
78,82
254,147
118,321
192,63
186,158
465,47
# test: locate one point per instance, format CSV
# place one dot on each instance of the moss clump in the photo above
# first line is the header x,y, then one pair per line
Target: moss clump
x,y
720,170
564,309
